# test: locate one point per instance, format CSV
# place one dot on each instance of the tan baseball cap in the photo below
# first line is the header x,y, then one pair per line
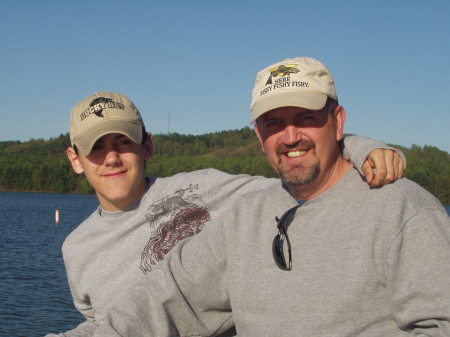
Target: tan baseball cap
x,y
100,114
302,81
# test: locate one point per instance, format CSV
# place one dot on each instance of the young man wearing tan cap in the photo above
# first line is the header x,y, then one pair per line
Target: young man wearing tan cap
x,y
320,254
140,219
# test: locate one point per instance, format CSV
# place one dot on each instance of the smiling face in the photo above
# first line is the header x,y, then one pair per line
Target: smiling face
x,y
115,169
302,146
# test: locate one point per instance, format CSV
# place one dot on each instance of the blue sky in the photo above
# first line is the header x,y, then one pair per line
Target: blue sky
x,y
196,61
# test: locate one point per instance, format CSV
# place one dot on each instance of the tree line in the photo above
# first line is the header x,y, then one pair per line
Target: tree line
x,y
41,165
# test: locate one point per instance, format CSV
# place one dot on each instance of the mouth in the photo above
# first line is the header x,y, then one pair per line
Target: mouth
x,y
294,154
114,174
297,150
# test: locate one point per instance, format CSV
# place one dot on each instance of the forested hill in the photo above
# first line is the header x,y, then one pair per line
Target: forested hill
x,y
41,165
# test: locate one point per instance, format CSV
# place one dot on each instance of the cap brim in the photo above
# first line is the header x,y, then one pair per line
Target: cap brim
x,y
90,136
306,100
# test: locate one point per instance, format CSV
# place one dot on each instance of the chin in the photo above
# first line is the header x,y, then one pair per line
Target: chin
x,y
298,177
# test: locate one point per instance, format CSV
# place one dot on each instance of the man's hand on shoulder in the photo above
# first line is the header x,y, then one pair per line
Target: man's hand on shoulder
x,y
382,167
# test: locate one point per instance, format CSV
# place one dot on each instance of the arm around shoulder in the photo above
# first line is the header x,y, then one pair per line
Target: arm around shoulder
x,y
182,296
378,162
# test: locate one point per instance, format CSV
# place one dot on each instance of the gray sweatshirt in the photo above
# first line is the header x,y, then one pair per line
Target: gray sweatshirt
x,y
366,262
108,250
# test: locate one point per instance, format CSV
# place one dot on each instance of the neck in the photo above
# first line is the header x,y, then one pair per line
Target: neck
x,y
326,179
123,202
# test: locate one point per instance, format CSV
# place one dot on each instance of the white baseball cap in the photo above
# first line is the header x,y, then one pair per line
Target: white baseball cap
x,y
100,114
302,82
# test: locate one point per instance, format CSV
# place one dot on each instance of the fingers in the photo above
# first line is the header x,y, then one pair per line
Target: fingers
x,y
399,166
377,161
394,165
368,172
387,164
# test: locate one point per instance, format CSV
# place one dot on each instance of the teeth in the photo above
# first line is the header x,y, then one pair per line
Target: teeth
x,y
295,154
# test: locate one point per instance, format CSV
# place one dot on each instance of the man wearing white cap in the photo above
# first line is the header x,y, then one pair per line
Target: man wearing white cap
x,y
320,254
140,219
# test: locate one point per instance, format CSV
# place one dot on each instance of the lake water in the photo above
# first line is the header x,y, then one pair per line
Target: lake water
x,y
34,295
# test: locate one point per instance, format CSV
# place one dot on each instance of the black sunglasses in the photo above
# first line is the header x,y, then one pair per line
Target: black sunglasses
x,y
278,240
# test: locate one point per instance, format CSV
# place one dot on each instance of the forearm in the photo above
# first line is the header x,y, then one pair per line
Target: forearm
x,y
185,295
356,149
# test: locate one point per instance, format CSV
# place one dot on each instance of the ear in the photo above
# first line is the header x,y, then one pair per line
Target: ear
x,y
258,134
339,115
74,160
148,147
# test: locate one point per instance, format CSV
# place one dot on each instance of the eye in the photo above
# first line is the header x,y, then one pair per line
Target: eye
x,y
123,144
306,117
305,120
271,123
125,141
98,146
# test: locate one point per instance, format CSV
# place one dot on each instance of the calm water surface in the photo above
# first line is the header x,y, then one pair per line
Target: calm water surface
x,y
34,295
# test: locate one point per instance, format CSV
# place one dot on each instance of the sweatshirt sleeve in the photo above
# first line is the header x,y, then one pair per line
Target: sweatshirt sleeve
x,y
186,294
418,274
356,149
82,304
84,329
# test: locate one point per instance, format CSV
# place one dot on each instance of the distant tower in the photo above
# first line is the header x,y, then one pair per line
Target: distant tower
x,y
168,124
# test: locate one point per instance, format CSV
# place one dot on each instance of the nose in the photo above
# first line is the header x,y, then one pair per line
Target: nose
x,y
292,134
112,157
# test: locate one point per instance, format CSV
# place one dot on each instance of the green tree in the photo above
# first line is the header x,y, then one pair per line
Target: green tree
x,y
41,165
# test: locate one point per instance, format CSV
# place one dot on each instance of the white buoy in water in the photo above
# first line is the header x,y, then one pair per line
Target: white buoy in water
x,y
57,216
